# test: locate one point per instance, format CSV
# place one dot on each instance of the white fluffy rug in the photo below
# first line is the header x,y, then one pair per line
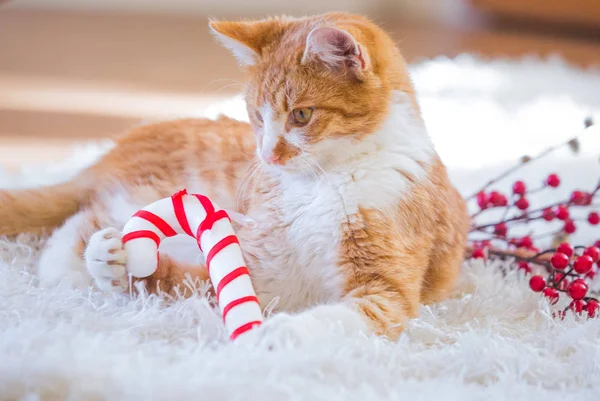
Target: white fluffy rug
x,y
493,341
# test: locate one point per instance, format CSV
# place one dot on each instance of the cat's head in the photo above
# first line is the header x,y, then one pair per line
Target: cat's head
x,y
318,85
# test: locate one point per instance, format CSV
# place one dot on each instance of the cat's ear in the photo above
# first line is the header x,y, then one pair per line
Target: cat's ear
x,y
337,49
244,39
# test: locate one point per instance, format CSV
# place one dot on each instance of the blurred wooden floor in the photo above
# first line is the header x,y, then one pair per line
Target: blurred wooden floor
x,y
67,77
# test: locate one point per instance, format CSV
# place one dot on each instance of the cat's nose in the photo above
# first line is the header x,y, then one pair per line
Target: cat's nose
x,y
272,158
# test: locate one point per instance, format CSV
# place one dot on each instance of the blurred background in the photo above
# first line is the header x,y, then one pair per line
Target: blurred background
x,y
79,70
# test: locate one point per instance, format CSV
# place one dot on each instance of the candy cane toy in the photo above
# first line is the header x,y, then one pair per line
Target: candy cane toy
x,y
191,214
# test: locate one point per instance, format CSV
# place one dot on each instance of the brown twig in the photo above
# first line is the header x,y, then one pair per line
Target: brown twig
x,y
521,255
526,160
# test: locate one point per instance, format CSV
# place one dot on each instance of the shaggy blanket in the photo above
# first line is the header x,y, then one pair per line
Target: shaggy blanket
x,y
493,340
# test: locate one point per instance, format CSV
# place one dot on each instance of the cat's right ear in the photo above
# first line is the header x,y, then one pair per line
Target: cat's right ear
x,y
338,50
244,39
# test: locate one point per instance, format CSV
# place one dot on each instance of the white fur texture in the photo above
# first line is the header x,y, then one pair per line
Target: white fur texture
x,y
493,340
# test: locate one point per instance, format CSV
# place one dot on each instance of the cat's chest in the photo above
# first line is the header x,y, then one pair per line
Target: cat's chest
x,y
294,250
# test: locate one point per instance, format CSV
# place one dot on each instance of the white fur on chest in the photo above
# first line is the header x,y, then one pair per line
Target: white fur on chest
x,y
298,252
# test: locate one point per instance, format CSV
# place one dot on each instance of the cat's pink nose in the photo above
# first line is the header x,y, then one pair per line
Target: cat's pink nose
x,y
272,158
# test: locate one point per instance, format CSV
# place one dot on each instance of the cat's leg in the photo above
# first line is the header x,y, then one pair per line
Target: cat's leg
x,y
79,254
61,261
440,279
106,262
375,302
104,255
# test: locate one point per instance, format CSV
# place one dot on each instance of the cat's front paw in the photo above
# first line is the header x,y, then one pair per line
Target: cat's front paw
x,y
317,325
277,331
105,259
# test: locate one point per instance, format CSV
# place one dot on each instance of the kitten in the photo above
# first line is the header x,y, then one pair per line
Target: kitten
x,y
351,202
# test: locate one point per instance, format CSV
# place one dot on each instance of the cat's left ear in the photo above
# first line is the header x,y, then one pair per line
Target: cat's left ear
x,y
245,39
337,49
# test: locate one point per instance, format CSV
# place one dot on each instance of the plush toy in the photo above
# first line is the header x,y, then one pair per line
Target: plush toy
x,y
196,216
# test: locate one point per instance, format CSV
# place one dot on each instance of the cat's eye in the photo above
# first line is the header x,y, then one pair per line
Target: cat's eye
x,y
258,116
302,116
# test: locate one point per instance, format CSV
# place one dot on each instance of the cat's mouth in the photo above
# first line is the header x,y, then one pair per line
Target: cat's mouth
x,y
297,167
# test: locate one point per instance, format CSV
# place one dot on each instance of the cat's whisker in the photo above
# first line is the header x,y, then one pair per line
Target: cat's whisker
x,y
233,82
311,162
228,86
305,167
311,170
247,173
244,195
321,170
250,171
315,173
256,176
256,183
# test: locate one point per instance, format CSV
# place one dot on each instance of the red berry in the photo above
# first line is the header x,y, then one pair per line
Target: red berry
x,y
597,243
593,218
592,307
577,289
519,188
551,294
593,252
548,214
522,203
478,254
577,306
481,244
569,227
497,199
537,283
525,267
482,200
591,274
514,241
587,199
562,212
526,242
577,197
500,229
583,264
559,260
565,248
553,180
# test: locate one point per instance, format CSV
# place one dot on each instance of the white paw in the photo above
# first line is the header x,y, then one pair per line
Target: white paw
x,y
59,264
317,325
277,331
105,260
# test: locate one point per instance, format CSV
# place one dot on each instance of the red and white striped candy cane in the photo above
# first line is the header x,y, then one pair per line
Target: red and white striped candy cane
x,y
196,216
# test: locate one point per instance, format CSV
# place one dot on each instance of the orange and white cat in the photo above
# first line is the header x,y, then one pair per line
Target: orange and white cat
x,y
353,207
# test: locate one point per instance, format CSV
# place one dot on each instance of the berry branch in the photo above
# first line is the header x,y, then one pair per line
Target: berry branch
x,y
565,269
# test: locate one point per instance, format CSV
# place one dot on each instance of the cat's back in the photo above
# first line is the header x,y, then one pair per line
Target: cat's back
x,y
221,136
169,149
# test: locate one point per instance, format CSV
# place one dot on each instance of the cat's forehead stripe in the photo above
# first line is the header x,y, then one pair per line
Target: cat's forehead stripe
x,y
276,94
